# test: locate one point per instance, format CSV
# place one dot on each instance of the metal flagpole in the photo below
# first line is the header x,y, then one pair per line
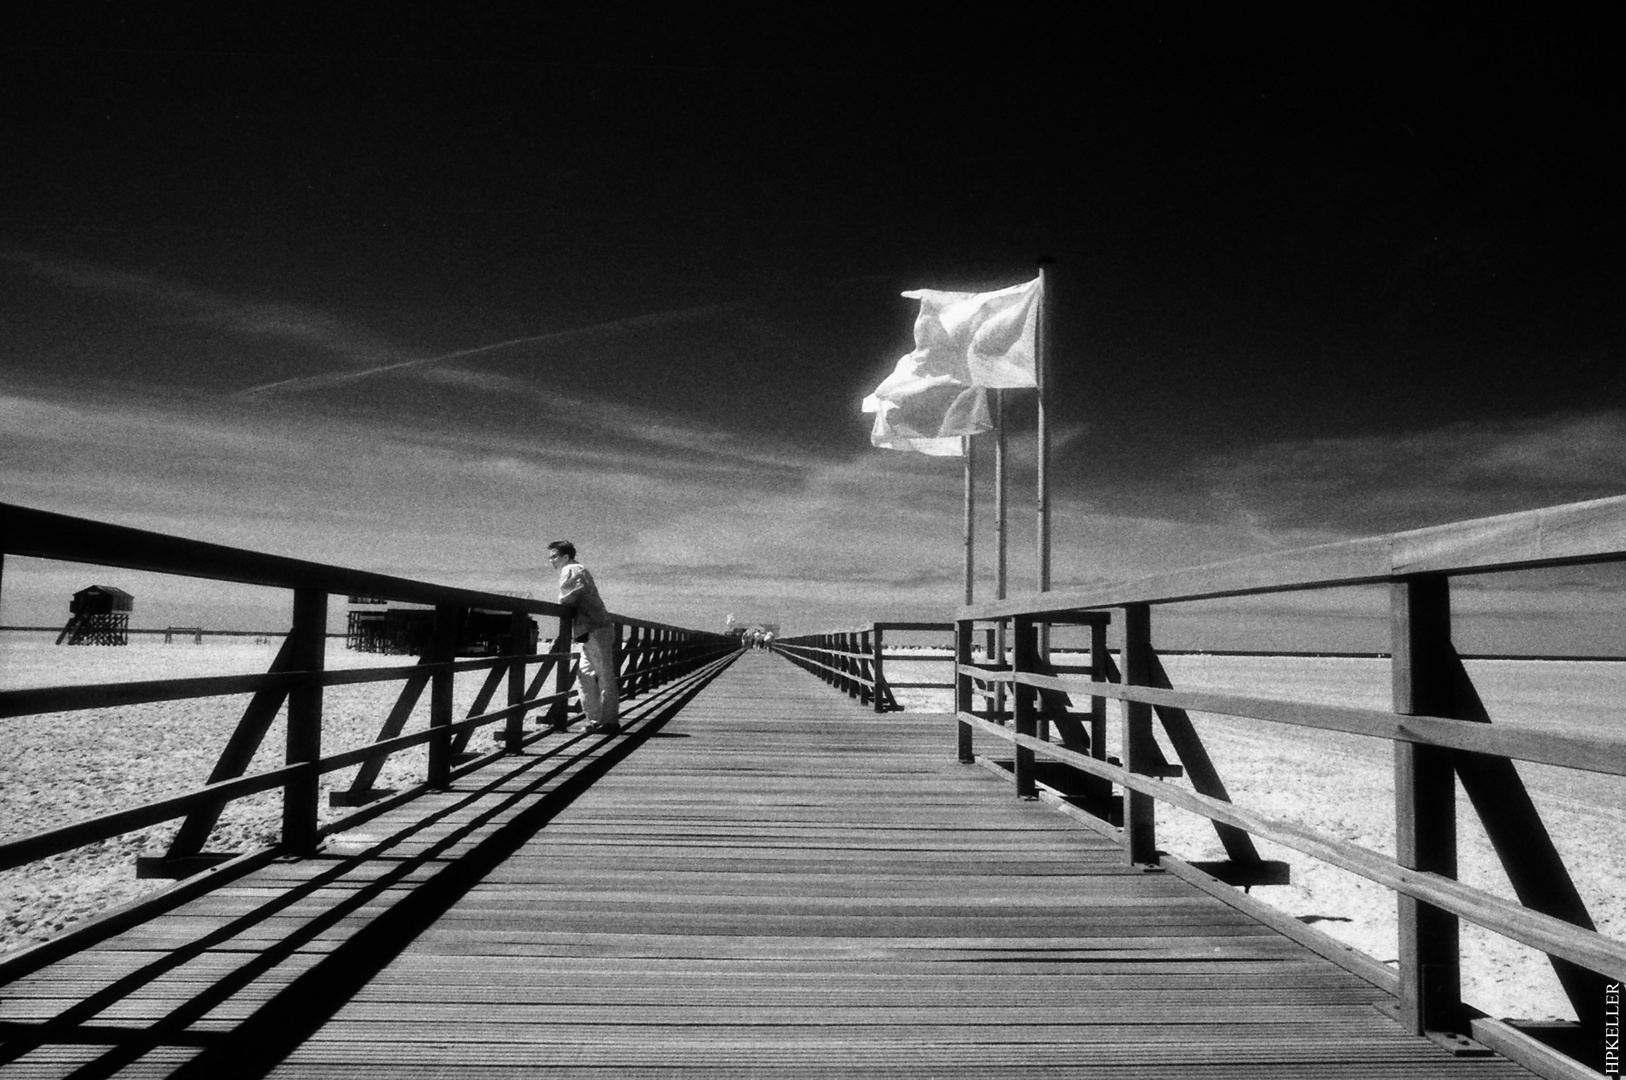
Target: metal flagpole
x,y
1041,355
999,537
968,447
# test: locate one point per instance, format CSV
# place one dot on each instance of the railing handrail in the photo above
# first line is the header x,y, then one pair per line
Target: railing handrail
x,y
854,661
946,626
1565,535
63,538
1442,734
654,653
1600,753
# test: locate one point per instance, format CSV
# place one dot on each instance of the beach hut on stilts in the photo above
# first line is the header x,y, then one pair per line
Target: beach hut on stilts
x,y
99,615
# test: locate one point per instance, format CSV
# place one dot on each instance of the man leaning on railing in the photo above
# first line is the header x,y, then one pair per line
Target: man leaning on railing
x,y
594,631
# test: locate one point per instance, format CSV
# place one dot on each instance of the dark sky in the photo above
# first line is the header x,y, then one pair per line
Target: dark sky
x,y
1315,277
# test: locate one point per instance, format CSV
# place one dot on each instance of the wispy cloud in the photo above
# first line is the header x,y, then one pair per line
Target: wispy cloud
x,y
339,339
454,502
612,422
361,352
1379,483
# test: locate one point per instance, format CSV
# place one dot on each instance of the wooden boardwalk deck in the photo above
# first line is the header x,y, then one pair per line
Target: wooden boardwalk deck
x,y
772,881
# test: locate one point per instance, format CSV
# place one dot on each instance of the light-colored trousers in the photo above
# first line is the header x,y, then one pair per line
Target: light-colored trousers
x,y
601,696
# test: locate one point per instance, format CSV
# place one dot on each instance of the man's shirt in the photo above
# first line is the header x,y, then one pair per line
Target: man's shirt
x,y
577,592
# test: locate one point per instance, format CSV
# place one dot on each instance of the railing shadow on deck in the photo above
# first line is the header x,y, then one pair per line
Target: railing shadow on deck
x,y
548,781
1438,726
651,655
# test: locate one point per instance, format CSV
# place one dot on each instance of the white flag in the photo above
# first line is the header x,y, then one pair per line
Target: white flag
x,y
965,344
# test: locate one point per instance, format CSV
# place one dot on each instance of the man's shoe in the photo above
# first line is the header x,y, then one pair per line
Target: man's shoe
x,y
607,728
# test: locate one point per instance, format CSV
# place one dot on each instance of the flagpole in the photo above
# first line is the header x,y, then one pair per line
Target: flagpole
x,y
1041,356
968,446
1000,546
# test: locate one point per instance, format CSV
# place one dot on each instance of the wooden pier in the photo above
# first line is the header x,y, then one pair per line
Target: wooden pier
x,y
762,878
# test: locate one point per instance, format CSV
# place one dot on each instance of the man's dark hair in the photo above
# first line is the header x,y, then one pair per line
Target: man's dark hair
x,y
563,547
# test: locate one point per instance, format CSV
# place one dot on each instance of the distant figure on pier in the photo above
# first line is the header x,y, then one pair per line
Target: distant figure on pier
x,y
595,633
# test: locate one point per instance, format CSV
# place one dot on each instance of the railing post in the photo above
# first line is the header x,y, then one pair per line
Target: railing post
x,y
999,665
628,656
308,652
1140,757
561,673
962,689
1023,701
878,664
1425,804
852,649
866,673
519,644
442,649
857,660
1098,704
641,643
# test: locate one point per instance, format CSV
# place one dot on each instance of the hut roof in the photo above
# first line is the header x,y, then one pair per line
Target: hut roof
x,y
105,590
115,599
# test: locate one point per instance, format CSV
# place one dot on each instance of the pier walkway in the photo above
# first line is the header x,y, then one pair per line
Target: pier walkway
x,y
761,879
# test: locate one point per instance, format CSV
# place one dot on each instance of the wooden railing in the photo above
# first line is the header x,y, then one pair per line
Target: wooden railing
x,y
1438,727
854,661
652,654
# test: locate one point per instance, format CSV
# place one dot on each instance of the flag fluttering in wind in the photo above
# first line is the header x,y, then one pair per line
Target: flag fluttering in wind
x,y
965,345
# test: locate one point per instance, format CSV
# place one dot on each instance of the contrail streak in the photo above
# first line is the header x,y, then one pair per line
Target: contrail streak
x,y
336,378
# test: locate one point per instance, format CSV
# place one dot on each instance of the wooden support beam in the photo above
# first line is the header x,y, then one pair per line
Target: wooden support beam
x,y
442,647
1140,815
361,788
1025,653
308,641
627,650
563,673
543,670
863,659
1425,806
488,690
626,658
234,761
1156,763
1199,768
519,643
1100,664
884,699
1054,705
963,631
1533,865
